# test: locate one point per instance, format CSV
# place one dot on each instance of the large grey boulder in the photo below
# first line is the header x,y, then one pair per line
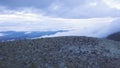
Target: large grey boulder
x,y
60,52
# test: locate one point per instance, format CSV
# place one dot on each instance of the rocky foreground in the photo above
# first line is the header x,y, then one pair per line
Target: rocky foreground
x,y
60,52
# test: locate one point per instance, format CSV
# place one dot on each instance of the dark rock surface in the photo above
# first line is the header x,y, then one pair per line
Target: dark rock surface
x,y
115,36
60,52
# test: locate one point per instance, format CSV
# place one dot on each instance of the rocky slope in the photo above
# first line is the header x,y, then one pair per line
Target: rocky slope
x,y
60,52
115,36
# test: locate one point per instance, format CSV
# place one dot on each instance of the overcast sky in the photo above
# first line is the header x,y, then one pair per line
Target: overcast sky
x,y
96,18
67,8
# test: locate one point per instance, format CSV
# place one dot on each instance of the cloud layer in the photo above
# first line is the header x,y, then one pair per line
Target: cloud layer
x,y
79,17
94,27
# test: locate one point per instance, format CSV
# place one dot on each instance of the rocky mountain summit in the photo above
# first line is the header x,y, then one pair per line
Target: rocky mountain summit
x,y
60,52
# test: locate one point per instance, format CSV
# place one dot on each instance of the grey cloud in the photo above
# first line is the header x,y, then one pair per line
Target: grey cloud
x,y
65,8
42,3
13,4
83,9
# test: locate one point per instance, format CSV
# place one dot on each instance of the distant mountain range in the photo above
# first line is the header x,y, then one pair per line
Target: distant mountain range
x,y
60,52
13,35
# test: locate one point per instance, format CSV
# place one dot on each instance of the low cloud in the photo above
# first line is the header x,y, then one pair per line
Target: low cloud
x,y
94,27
